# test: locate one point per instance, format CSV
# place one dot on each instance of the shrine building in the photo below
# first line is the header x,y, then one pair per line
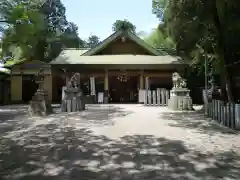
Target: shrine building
x,y
118,67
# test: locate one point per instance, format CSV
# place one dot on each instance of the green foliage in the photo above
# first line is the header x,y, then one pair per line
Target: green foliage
x,y
93,41
157,39
23,25
123,25
38,28
199,26
159,7
205,28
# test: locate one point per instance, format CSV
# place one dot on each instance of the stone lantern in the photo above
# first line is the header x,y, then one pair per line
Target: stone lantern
x,y
40,105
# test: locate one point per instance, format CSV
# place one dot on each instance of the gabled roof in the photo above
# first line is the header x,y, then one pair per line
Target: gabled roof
x,y
118,34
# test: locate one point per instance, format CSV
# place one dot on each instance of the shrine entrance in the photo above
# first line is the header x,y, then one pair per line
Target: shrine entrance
x,y
29,87
123,89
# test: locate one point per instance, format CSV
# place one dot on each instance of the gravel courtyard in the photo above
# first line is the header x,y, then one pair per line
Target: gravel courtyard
x,y
116,142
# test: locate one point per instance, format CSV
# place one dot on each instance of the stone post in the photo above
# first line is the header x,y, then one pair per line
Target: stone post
x,y
158,96
154,98
146,90
149,98
163,96
237,116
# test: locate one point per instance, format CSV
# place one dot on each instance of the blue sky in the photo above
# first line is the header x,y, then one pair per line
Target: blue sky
x,y
97,16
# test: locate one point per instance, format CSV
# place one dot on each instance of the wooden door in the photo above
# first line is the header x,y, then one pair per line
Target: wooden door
x,y
123,91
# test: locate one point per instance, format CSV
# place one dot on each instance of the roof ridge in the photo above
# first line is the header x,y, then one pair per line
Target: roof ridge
x,y
76,48
103,41
142,41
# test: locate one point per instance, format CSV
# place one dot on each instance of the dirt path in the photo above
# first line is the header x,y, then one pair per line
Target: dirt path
x,y
190,127
117,142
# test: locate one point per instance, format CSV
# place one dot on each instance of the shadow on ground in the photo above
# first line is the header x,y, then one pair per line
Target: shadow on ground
x,y
103,112
12,112
9,117
16,117
95,115
62,153
195,120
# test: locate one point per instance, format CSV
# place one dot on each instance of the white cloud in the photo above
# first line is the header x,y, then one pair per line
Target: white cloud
x,y
147,30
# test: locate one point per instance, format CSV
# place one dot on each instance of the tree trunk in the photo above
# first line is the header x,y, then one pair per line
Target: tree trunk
x,y
221,49
230,85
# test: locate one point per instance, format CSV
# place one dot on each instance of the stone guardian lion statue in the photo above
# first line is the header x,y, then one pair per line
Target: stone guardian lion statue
x,y
178,81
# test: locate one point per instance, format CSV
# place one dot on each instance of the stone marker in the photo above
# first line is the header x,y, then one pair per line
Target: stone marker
x,y
224,115
237,116
145,97
163,96
154,98
167,96
149,96
232,115
218,111
158,97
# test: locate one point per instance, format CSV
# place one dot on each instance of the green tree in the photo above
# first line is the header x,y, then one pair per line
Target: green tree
x,y
22,24
92,41
123,25
70,38
201,27
157,39
38,30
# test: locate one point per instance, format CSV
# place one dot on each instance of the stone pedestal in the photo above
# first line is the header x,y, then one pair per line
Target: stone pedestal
x,y
106,97
180,99
40,105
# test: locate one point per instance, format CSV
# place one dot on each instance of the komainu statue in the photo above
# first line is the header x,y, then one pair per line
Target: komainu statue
x,y
72,99
178,81
179,95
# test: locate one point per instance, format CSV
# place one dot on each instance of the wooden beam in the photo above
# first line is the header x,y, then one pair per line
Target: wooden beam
x,y
160,74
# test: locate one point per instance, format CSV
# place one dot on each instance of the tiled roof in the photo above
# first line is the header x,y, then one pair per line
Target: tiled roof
x,y
74,57
80,50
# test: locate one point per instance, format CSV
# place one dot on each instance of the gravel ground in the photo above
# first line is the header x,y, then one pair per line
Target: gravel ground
x,y
116,142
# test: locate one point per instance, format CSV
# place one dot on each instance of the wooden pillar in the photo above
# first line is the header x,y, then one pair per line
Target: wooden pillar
x,y
106,86
92,86
141,84
146,90
93,89
48,86
16,88
141,91
147,83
